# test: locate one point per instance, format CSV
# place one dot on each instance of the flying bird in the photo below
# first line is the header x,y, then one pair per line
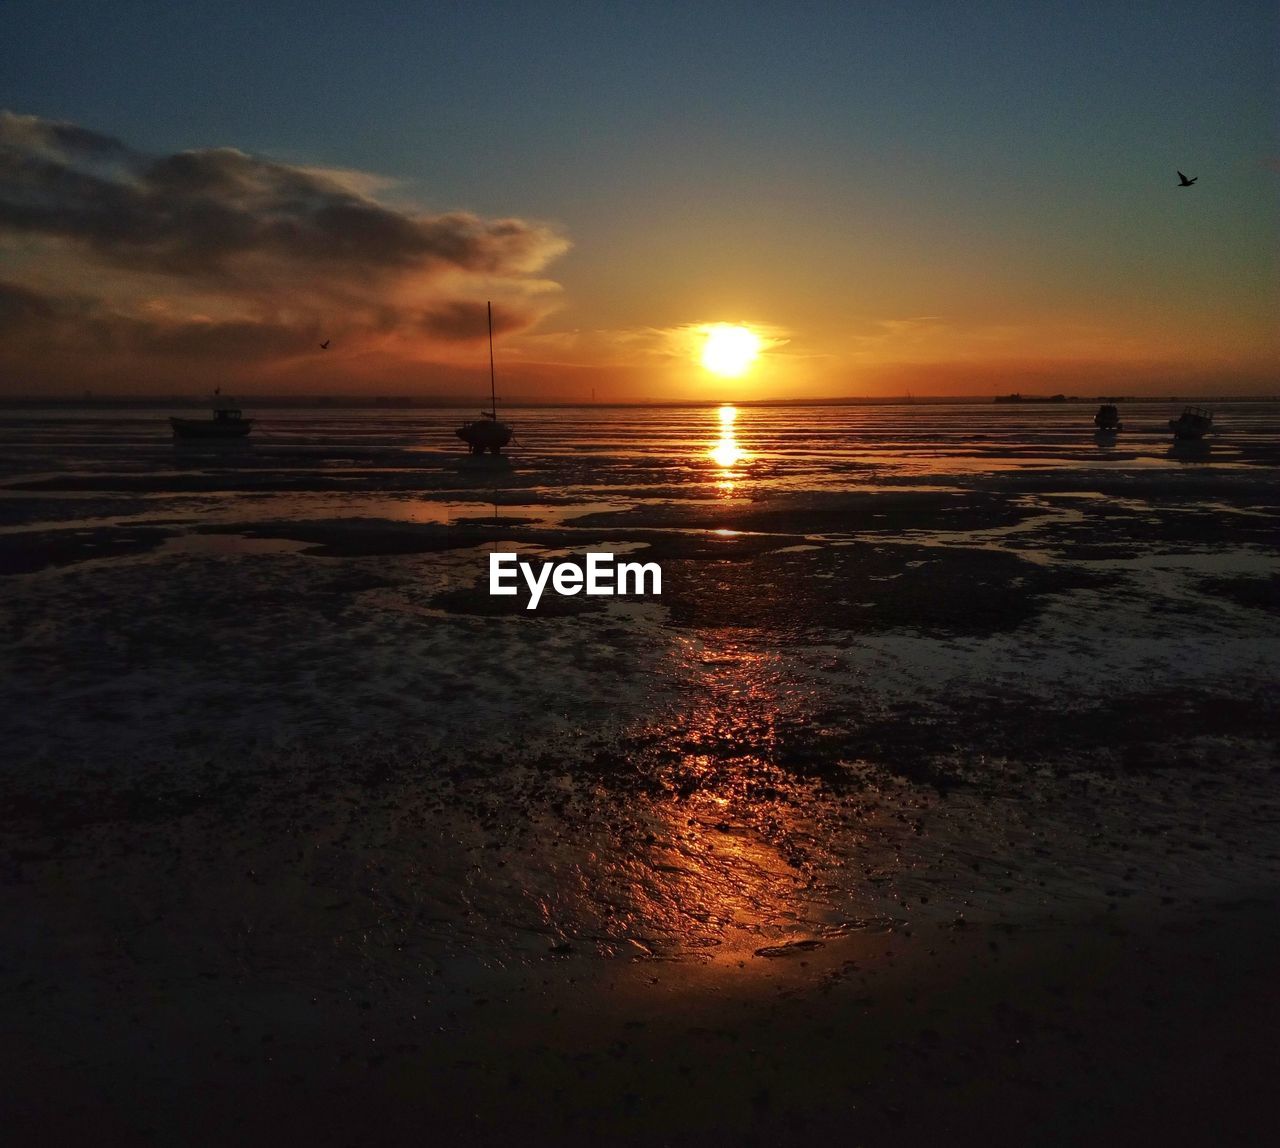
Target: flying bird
x,y
1184,181
325,345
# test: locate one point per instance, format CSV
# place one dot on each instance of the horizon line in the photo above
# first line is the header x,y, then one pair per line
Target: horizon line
x,y
448,402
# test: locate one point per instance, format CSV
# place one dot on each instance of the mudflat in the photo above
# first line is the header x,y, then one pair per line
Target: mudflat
x,y
918,805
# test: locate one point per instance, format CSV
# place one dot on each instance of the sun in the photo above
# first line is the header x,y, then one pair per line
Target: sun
x,y
729,350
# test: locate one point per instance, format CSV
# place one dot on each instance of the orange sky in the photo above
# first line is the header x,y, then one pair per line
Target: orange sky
x,y
933,201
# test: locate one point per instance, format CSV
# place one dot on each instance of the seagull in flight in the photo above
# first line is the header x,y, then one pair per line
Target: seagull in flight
x,y
325,345
1184,181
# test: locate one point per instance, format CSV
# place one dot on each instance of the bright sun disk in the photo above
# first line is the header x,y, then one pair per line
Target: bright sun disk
x,y
729,350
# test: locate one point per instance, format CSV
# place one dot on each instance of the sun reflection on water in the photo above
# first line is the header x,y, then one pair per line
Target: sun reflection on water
x,y
733,848
725,451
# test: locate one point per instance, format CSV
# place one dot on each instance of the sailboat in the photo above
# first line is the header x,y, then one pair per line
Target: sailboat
x,y
487,433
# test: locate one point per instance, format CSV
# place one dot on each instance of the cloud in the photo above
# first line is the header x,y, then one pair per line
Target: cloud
x,y
462,321
77,323
245,249
20,306
204,213
646,345
367,184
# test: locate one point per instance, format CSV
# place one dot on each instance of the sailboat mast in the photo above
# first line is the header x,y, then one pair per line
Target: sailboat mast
x,y
493,386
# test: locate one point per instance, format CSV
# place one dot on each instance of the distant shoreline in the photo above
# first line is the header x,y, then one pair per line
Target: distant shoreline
x,y
402,402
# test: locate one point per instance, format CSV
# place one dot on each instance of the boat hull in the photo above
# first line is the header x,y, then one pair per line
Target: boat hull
x,y
484,435
1107,420
1193,423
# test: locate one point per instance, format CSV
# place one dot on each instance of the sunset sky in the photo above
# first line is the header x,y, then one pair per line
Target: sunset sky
x,y
946,198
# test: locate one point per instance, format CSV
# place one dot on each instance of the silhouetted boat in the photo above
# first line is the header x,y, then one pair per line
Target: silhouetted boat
x,y
1108,418
226,422
487,433
1193,423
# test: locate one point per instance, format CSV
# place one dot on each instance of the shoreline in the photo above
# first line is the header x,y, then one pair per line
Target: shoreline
x,y
464,402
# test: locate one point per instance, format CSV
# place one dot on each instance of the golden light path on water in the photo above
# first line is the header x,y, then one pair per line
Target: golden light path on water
x,y
725,451
736,879
732,850
740,848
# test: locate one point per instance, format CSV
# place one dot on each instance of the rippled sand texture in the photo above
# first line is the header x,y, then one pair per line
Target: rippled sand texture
x,y
925,683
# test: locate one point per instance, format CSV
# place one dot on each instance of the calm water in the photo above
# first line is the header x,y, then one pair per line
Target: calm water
x,y
409,465
836,711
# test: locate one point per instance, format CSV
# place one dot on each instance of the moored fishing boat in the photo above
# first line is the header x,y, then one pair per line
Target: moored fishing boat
x,y
1193,423
1108,418
225,422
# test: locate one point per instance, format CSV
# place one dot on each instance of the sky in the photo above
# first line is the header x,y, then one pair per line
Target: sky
x,y
898,197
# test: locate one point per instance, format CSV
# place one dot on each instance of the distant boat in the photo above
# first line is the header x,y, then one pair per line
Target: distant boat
x,y
1108,418
225,422
487,433
1193,423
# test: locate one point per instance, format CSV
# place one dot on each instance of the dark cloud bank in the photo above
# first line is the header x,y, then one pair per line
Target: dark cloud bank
x,y
217,258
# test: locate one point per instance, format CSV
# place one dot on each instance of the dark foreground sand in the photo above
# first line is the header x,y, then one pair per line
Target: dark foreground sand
x,y
1093,1032
903,818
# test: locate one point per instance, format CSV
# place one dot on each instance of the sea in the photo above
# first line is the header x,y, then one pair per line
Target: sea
x,y
653,451
909,661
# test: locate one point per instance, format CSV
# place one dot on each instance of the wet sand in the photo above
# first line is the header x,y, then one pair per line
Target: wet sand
x,y
1090,1033
945,809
